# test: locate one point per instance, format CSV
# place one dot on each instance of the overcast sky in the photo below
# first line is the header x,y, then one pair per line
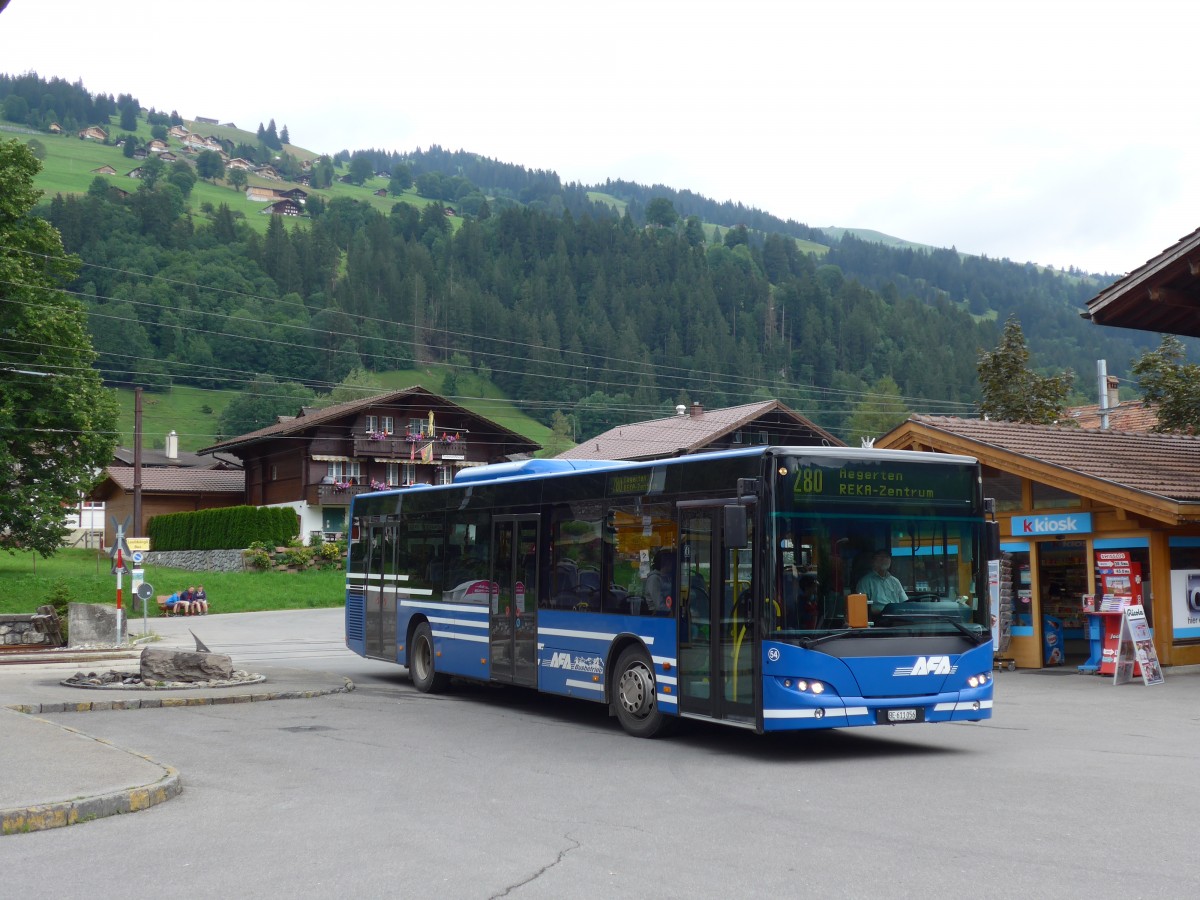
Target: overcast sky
x,y
1062,133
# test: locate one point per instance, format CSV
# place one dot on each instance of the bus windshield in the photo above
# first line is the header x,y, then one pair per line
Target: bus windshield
x,y
907,535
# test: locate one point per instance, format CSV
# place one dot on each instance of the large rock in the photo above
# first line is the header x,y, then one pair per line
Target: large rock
x,y
183,665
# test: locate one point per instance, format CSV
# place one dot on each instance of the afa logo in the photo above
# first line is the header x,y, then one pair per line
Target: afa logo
x,y
928,665
561,660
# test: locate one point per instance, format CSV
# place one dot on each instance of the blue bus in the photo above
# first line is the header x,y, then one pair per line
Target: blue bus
x,y
771,589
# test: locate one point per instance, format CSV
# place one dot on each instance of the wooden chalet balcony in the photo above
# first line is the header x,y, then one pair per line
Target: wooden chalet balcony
x,y
330,495
398,447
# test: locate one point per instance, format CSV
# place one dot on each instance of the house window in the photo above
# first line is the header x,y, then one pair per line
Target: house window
x,y
274,472
387,423
1046,496
737,437
1004,488
443,475
346,471
408,472
393,474
762,438
372,424
416,426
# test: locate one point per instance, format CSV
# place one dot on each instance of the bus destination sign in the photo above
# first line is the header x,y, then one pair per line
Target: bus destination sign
x,y
854,480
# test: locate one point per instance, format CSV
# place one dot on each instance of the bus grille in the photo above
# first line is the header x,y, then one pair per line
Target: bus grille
x,y
355,617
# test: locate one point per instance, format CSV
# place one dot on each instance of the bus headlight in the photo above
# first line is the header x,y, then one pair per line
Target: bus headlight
x,y
979,680
805,686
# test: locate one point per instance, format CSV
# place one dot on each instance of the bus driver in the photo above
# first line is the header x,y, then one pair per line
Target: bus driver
x,y
880,585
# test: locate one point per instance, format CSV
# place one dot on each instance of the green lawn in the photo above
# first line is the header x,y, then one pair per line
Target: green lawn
x,y
182,408
27,581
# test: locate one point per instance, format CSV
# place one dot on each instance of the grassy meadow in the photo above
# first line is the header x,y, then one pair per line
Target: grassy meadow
x,y
27,581
192,412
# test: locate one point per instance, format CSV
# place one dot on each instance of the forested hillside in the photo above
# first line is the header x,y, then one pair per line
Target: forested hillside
x,y
563,303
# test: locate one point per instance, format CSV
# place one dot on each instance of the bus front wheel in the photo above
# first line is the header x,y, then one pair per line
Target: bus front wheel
x,y
421,666
634,695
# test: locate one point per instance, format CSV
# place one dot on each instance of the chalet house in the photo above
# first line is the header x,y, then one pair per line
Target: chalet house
x,y
157,146
202,120
259,194
178,132
168,156
171,481
304,179
318,460
295,194
283,208
382,192
696,430
140,153
93,133
1161,295
268,172
134,173
238,163
104,170
55,128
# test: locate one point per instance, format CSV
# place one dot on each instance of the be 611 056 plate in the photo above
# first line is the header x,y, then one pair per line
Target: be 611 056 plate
x,y
900,716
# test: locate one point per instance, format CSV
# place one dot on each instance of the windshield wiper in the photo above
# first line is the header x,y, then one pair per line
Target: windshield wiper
x,y
834,635
976,637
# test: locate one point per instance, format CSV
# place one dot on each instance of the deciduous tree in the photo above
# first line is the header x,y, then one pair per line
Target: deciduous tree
x,y
57,419
1171,384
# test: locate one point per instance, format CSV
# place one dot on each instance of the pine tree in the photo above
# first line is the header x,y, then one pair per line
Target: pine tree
x,y
1013,393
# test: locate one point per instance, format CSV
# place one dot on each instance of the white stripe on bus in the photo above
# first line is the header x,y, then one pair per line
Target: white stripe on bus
x,y
666,679
966,706
461,623
455,636
812,713
442,607
591,635
668,699
584,685
663,660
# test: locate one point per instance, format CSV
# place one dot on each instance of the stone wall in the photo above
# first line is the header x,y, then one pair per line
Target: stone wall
x,y
197,560
16,629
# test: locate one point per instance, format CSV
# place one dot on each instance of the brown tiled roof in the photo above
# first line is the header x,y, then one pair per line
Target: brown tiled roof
x,y
687,433
1133,416
1161,295
1162,465
311,418
181,481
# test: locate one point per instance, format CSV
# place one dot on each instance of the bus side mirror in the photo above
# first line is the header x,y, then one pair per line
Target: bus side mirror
x,y
736,530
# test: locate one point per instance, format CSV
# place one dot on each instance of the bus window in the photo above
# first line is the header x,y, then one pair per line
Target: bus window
x,y
575,558
642,536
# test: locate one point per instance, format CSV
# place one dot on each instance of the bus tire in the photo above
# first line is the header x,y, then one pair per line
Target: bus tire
x,y
421,666
635,695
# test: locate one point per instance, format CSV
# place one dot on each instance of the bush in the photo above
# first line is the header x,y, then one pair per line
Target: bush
x,y
259,559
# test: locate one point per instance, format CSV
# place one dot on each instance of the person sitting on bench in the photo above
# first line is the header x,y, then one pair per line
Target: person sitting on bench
x,y
177,605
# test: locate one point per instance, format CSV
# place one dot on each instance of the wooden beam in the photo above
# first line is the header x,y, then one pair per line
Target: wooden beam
x,y
1172,297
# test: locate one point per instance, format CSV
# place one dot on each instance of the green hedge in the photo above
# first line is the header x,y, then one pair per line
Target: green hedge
x,y
227,528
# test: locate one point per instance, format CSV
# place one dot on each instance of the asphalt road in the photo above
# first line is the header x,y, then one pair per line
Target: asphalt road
x,y
1075,788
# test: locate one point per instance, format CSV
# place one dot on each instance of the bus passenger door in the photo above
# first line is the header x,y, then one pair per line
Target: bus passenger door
x,y
380,590
513,619
716,630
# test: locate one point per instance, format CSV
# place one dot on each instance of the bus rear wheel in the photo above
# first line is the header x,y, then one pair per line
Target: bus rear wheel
x,y
421,668
635,695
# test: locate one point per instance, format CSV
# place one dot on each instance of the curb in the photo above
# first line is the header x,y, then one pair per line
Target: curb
x,y
160,702
42,817
45,816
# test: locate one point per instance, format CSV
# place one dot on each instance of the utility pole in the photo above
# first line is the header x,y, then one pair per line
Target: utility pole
x,y
137,462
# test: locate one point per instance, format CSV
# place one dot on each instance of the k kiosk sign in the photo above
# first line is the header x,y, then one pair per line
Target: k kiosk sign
x,y
1059,523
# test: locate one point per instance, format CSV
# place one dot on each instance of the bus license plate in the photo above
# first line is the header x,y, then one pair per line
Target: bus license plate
x,y
895,716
